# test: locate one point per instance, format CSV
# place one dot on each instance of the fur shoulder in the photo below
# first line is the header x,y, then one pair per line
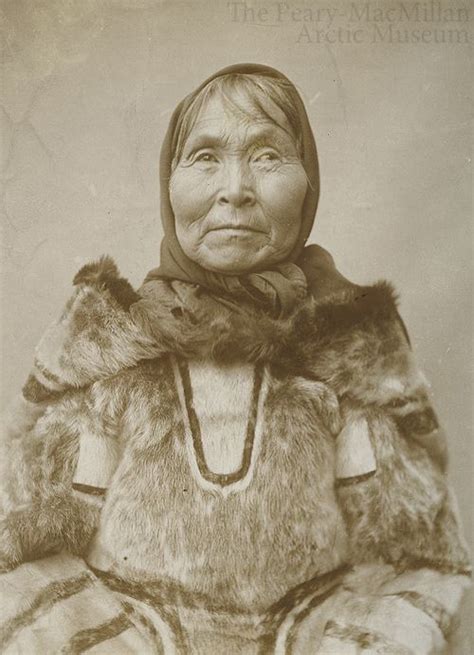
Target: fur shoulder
x,y
104,275
361,346
94,337
363,352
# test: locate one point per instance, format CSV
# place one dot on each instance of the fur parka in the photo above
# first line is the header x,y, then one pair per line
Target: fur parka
x,y
331,513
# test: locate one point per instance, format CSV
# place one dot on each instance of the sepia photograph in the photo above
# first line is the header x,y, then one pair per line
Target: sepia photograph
x,y
236,327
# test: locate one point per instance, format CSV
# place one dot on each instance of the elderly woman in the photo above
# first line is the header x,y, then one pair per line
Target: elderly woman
x,y
241,457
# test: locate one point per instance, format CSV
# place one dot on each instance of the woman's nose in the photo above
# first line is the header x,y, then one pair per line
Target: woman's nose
x,y
237,186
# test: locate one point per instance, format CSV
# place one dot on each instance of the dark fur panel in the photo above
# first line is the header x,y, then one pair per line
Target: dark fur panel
x,y
375,367
411,408
189,322
357,306
363,361
403,514
94,340
104,274
422,426
36,392
348,329
418,422
103,270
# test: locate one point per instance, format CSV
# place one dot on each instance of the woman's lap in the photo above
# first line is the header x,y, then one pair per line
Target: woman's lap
x,y
58,605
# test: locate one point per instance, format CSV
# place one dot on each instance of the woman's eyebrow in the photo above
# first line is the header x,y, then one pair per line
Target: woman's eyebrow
x,y
266,136
205,140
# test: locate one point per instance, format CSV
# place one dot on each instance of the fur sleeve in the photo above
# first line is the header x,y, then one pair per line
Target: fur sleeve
x,y
399,507
58,444
39,510
58,460
45,429
392,476
362,350
411,562
405,538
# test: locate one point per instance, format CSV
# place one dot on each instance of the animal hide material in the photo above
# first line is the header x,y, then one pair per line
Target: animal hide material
x,y
336,459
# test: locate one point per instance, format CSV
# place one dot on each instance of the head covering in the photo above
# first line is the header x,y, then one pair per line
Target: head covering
x,y
284,283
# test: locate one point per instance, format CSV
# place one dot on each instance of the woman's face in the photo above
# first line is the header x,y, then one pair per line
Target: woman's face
x,y
237,191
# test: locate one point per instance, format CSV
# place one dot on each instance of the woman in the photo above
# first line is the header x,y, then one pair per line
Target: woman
x,y
241,457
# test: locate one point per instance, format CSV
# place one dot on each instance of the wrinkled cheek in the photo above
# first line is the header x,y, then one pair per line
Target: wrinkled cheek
x,y
282,200
283,188
191,197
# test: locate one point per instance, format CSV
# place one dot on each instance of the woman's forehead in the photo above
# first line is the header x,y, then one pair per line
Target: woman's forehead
x,y
213,134
219,118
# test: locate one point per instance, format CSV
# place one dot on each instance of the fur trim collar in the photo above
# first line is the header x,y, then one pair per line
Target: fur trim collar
x,y
107,326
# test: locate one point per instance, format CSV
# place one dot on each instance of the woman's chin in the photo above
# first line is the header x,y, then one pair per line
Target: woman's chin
x,y
233,256
233,261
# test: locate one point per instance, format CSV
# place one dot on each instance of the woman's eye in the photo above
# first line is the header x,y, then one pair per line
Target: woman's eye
x,y
269,156
205,157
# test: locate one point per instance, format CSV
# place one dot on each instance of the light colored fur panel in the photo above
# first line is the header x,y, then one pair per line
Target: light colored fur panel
x,y
247,549
17,422
18,418
381,625
403,514
222,397
244,445
355,455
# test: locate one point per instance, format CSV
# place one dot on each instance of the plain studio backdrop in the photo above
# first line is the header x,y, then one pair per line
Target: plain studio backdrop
x,y
88,89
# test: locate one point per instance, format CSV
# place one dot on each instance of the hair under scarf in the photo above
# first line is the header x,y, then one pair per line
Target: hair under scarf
x,y
283,284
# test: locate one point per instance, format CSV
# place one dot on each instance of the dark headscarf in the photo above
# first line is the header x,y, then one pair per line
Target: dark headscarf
x,y
283,284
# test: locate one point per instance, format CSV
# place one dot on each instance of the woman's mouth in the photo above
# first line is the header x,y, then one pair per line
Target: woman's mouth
x,y
230,228
227,234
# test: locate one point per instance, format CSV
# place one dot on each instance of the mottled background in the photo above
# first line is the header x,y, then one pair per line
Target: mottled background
x,y
88,88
